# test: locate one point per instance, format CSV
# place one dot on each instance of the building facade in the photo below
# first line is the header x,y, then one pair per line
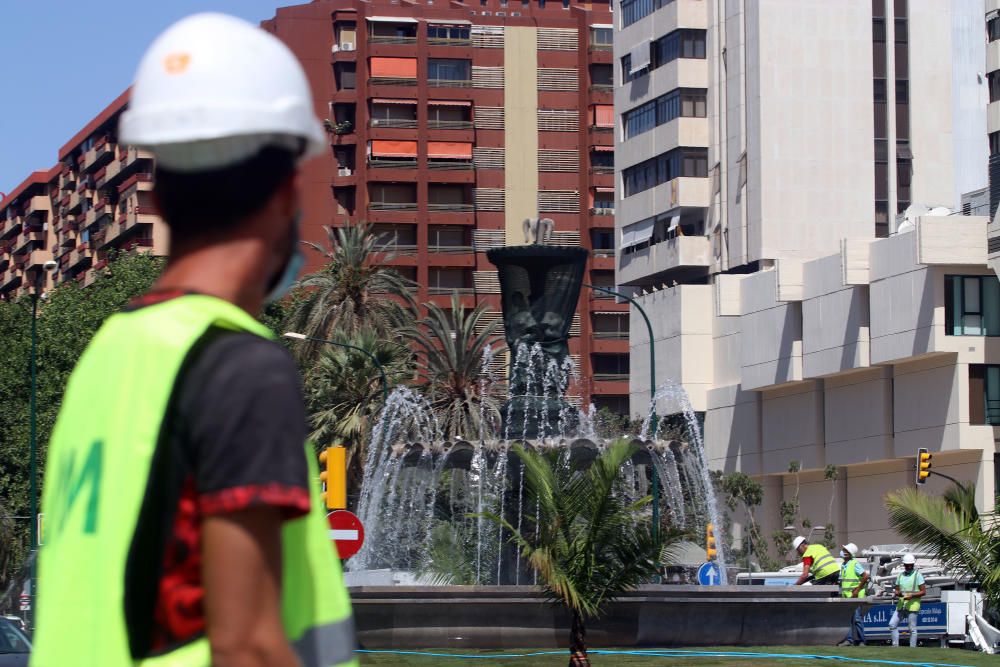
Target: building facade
x,y
95,201
450,125
789,139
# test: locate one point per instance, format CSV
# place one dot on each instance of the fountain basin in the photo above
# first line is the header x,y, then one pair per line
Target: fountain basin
x,y
507,617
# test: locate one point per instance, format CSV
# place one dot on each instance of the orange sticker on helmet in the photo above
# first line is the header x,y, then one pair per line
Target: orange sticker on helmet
x,y
177,63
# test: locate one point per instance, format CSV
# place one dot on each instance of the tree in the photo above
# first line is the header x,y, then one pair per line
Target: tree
x,y
588,544
344,391
67,319
950,527
743,491
450,349
355,289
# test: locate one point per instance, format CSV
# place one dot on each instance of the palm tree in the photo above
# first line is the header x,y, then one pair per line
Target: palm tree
x,y
355,289
950,527
589,544
344,391
450,349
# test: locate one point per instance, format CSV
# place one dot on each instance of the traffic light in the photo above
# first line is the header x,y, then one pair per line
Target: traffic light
x,y
923,465
333,475
710,550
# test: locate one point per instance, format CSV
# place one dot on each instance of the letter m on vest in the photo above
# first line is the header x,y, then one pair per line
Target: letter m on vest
x,y
80,482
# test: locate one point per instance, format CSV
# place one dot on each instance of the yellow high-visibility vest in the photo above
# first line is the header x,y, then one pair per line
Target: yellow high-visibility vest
x,y
97,475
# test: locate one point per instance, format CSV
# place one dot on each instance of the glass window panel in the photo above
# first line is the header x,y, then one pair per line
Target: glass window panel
x,y
971,294
972,325
993,395
991,305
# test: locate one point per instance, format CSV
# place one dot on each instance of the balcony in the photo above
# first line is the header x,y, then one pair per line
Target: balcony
x,y
109,234
38,206
98,156
593,48
97,214
78,255
392,81
451,208
602,88
602,210
601,130
398,250
392,206
141,215
610,377
392,39
603,252
445,291
680,252
383,163
449,165
27,238
399,123
449,83
449,124
450,249
602,169
11,227
9,279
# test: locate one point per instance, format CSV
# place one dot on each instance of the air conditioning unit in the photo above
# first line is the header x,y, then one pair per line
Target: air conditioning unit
x,y
347,46
344,171
501,14
515,13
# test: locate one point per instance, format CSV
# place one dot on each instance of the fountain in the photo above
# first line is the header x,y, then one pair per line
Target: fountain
x,y
423,495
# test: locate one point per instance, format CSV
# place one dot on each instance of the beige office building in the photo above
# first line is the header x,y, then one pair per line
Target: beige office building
x,y
766,152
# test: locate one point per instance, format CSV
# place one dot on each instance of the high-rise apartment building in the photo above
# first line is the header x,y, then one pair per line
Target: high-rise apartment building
x,y
764,149
94,202
449,125
452,123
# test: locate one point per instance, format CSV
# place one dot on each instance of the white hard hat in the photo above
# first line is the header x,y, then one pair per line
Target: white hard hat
x,y
213,90
797,541
908,559
851,548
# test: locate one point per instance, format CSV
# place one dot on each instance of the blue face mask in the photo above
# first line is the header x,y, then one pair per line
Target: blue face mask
x,y
293,265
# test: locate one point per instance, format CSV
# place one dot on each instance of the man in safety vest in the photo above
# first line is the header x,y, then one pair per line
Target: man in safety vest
x,y
910,587
853,579
816,563
184,524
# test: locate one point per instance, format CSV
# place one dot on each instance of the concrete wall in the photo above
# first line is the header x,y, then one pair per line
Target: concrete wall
x,y
834,320
682,328
858,417
792,427
771,346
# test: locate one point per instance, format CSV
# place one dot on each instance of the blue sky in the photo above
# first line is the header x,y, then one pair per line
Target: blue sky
x,y
65,60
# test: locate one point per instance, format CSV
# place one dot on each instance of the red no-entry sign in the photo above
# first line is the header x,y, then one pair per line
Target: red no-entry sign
x,y
346,532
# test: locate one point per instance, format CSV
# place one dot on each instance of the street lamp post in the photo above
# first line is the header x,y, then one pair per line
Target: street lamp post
x,y
652,393
36,294
385,382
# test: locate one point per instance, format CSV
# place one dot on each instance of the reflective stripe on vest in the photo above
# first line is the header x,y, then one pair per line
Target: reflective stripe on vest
x,y
823,564
849,579
98,473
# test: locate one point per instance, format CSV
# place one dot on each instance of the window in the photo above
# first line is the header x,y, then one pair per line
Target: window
x,y
604,201
972,306
610,366
690,162
601,36
690,103
442,69
984,394
994,80
602,159
994,143
993,29
678,44
442,236
447,279
448,33
902,109
393,193
602,239
344,73
395,235
601,74
610,325
633,10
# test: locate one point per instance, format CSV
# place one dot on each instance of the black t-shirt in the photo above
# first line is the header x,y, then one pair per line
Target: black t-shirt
x,y
233,437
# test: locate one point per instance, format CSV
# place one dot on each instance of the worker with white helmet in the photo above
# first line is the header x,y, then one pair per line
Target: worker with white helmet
x,y
853,579
817,563
910,587
186,527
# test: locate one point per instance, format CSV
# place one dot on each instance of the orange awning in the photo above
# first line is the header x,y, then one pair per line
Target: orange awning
x,y
383,148
382,100
450,149
449,103
604,115
602,189
603,149
400,68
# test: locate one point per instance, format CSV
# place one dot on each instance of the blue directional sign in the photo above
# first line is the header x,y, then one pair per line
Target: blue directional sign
x,y
709,575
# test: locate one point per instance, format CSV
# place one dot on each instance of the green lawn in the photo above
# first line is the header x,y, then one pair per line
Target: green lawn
x,y
678,658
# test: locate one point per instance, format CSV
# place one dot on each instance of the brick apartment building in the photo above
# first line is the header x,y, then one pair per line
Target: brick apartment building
x,y
449,125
